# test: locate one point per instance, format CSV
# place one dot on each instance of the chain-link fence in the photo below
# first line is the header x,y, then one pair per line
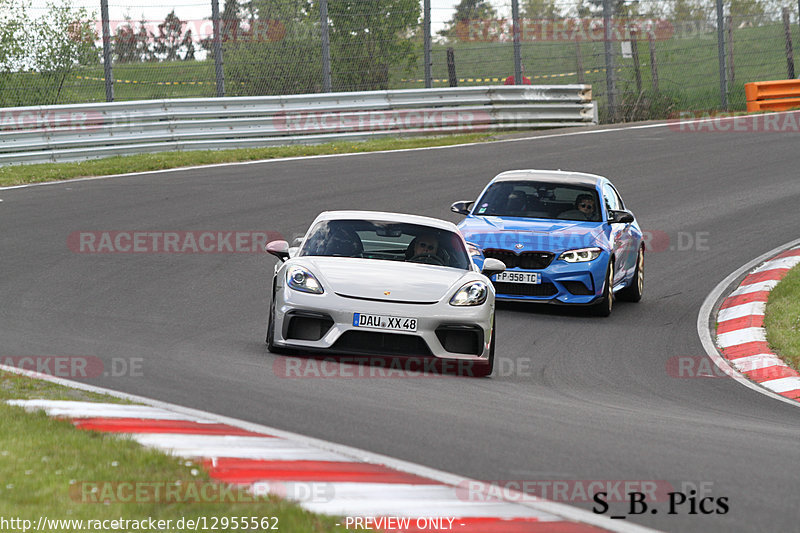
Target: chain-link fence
x,y
659,57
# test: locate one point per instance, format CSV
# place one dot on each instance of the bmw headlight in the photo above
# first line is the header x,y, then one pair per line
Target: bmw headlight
x,y
581,255
300,279
472,293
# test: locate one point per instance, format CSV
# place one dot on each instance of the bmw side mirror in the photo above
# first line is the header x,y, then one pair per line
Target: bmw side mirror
x,y
492,266
461,208
279,249
620,217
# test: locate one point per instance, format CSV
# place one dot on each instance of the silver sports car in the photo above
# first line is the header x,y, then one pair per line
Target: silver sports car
x,y
368,282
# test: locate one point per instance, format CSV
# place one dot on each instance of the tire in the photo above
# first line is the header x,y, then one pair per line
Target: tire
x,y
606,304
482,370
633,293
271,327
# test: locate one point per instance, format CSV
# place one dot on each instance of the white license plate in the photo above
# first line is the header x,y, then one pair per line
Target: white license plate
x,y
393,323
533,278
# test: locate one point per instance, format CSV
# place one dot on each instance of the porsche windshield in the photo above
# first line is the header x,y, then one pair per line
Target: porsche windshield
x,y
386,241
536,199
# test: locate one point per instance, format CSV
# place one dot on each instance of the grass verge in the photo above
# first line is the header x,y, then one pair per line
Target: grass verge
x,y
47,468
22,174
782,318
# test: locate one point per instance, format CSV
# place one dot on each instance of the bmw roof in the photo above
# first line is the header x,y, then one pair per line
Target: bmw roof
x,y
552,176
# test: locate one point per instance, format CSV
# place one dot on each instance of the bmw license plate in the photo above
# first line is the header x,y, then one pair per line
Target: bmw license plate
x,y
532,278
393,323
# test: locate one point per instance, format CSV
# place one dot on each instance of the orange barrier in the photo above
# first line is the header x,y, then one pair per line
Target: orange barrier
x,y
778,95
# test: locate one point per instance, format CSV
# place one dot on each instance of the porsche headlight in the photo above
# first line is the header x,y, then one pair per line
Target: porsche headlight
x,y
472,293
581,255
300,279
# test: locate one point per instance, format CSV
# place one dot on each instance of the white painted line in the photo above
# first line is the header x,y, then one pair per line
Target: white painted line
x,y
74,409
561,510
387,499
705,323
215,446
743,310
782,384
784,262
741,336
756,362
755,287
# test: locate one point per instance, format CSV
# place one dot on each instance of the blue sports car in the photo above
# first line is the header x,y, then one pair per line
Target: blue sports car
x,y
565,237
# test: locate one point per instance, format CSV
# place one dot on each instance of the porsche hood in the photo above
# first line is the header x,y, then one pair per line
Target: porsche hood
x,y
386,280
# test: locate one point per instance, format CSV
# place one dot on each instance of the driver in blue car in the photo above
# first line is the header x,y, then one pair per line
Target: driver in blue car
x,y
585,209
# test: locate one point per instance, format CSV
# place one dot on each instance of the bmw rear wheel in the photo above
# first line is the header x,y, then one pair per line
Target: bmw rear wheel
x,y
633,292
606,304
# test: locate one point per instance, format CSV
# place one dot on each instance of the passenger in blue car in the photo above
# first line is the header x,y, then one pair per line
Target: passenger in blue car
x,y
585,209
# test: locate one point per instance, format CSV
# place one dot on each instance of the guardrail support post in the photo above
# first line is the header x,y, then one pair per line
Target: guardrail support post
x,y
107,55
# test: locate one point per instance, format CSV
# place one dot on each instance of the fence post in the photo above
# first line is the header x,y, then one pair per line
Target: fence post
x,y
653,67
610,69
635,53
787,30
107,55
723,85
326,46
518,79
451,67
426,25
731,70
217,40
579,60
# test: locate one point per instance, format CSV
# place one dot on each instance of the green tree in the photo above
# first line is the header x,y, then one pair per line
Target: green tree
x,y
169,40
540,9
277,50
752,11
466,11
367,38
43,51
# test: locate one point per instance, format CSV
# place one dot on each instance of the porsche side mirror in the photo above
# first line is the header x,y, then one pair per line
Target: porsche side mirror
x,y
620,217
279,249
461,208
492,266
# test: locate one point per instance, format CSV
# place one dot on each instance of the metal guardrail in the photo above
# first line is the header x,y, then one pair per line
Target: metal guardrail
x,y
86,131
778,95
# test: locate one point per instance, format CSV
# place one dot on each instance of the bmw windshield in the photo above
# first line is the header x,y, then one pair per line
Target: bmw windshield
x,y
537,199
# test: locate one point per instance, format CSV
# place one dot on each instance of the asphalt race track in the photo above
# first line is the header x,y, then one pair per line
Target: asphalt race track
x,y
573,398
